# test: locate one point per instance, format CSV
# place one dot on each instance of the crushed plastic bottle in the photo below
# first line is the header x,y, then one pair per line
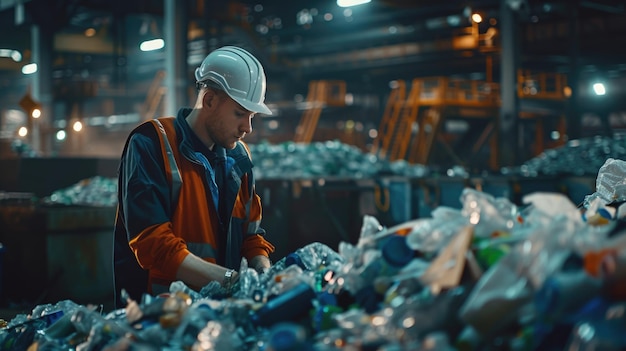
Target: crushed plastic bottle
x,y
314,256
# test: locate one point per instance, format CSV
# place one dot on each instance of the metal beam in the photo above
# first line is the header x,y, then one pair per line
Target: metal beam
x,y
7,4
175,55
611,7
509,138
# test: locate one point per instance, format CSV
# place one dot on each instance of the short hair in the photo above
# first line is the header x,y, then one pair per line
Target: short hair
x,y
208,84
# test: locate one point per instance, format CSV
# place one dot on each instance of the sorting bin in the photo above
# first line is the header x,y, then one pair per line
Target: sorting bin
x,y
297,212
431,192
325,210
388,198
55,253
276,200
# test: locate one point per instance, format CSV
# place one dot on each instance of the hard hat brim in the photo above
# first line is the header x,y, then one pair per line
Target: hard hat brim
x,y
251,106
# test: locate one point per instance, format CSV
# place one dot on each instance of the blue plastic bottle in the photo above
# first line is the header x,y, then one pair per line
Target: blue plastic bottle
x,y
288,306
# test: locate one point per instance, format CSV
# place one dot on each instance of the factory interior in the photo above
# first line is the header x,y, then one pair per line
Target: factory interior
x,y
507,117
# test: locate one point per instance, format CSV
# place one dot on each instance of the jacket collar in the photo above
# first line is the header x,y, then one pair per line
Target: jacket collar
x,y
186,136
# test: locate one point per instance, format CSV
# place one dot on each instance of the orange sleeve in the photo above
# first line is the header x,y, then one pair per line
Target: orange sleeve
x,y
156,248
256,245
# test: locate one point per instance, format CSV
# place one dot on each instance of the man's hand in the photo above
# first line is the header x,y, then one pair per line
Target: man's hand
x,y
260,263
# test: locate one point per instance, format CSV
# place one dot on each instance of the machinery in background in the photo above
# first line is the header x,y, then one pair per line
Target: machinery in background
x,y
423,113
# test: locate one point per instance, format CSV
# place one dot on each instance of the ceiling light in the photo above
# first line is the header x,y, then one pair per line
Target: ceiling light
x,y
60,135
29,68
348,3
599,89
23,131
77,126
16,56
90,32
151,45
13,54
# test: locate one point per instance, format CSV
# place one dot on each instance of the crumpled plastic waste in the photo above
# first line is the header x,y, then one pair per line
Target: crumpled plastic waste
x,y
610,186
488,276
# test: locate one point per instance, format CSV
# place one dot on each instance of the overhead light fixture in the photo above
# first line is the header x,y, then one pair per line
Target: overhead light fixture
x,y
29,68
61,135
349,3
12,54
77,126
599,89
90,32
23,131
477,18
151,45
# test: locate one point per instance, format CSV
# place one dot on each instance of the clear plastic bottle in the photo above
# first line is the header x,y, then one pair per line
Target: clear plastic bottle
x,y
388,261
313,256
369,282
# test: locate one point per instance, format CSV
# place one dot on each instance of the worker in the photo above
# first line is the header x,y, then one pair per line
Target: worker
x,y
187,208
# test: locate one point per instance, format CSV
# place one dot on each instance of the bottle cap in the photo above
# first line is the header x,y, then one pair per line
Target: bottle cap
x,y
284,339
294,258
396,251
287,336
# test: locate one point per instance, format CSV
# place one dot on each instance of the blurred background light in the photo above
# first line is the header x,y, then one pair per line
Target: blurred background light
x,y
29,68
348,3
599,89
151,45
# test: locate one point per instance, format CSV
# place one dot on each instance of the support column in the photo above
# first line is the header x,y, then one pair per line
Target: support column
x,y
509,139
176,80
41,88
574,126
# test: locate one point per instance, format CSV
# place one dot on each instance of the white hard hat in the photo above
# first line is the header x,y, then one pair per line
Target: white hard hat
x,y
239,74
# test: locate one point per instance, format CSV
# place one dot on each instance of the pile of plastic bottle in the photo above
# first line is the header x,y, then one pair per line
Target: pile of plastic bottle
x,y
580,157
489,276
328,159
96,191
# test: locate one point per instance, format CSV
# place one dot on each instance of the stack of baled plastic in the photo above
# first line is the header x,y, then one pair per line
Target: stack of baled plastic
x,y
488,276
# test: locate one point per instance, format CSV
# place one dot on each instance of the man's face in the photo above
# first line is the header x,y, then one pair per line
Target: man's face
x,y
228,122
